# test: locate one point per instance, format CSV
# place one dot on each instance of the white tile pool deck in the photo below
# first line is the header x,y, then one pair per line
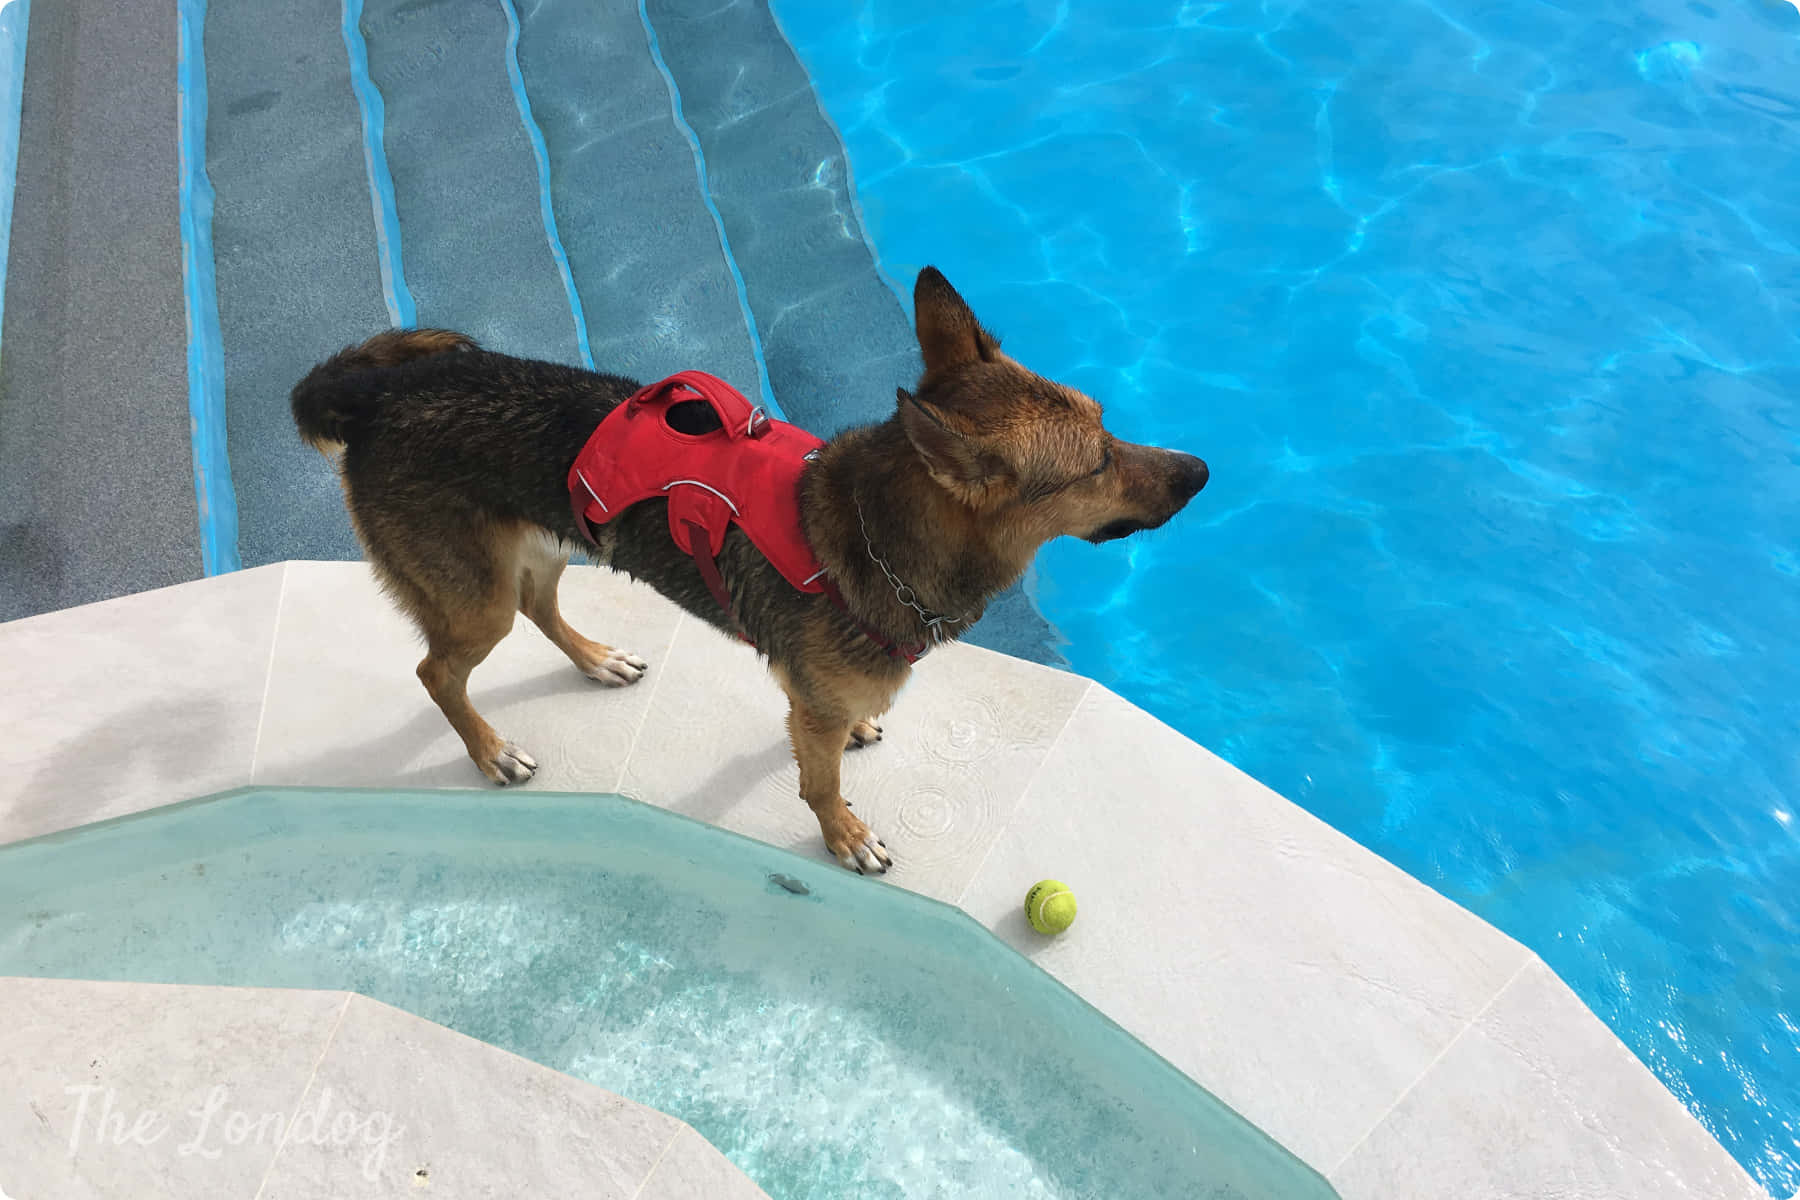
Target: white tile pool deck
x,y
1391,1039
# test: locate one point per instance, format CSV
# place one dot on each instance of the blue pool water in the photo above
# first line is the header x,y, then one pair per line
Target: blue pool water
x,y
1484,315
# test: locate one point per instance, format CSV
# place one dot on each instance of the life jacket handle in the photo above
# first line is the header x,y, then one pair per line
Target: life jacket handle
x,y
738,416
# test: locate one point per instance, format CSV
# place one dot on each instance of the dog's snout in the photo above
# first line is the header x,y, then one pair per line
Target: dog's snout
x,y
1190,476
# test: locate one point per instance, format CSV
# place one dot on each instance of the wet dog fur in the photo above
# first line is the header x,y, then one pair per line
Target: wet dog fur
x,y
455,463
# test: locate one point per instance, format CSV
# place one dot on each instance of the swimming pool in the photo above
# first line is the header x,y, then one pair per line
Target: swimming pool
x,y
834,1036
1485,316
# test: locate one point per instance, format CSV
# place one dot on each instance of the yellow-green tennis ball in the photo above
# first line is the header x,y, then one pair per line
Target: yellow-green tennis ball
x,y
1050,906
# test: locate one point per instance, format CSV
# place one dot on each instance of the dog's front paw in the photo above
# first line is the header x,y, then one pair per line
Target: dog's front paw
x,y
508,764
864,733
853,843
618,669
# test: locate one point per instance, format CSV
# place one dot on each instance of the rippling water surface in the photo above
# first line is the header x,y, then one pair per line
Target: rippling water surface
x,y
1484,315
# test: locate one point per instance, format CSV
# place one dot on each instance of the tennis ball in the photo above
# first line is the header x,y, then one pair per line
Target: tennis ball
x,y
1050,906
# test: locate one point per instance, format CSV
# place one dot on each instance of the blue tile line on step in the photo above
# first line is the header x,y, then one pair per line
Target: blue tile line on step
x,y
546,206
706,198
15,20
214,499
401,310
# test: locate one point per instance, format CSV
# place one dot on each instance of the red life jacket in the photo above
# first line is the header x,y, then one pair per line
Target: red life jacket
x,y
745,473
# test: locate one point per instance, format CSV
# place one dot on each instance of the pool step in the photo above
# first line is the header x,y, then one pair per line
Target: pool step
x,y
96,469
474,242
834,335
643,249
294,252
647,279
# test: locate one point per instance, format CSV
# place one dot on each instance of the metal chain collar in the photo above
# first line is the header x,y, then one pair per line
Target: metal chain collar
x,y
903,591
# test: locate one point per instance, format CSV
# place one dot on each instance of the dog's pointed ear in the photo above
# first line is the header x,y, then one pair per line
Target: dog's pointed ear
x,y
953,457
949,334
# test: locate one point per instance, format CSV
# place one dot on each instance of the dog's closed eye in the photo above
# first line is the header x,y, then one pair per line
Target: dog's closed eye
x,y
1044,491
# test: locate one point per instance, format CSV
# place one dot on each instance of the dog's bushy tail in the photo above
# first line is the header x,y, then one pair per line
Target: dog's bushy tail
x,y
327,411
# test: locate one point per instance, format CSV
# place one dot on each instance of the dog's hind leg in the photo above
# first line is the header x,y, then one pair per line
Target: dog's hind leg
x,y
458,576
541,565
457,645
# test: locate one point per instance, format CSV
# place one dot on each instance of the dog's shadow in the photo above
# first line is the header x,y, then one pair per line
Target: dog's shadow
x,y
362,764
156,747
731,782
1016,931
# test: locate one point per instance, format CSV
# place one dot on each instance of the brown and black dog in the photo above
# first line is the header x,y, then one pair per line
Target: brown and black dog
x,y
456,461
